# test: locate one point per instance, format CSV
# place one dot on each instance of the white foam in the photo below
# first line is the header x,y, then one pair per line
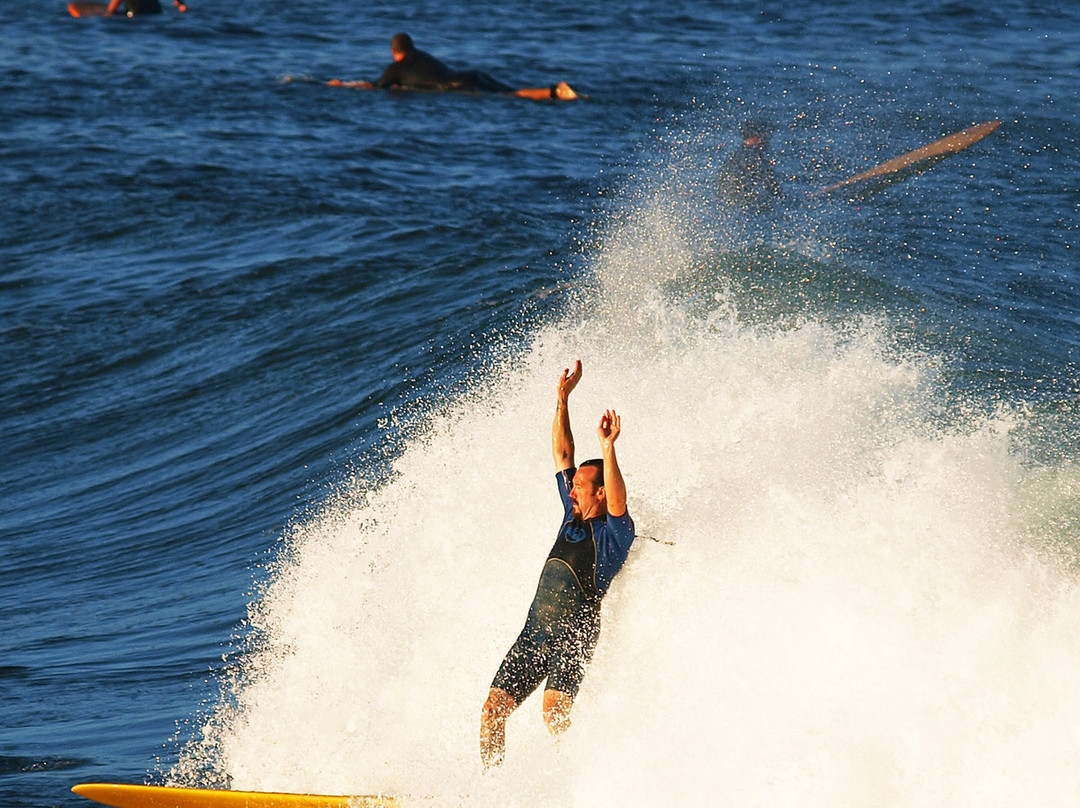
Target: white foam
x,y
855,603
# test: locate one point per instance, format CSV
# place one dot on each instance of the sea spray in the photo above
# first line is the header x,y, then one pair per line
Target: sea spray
x,y
859,593
846,606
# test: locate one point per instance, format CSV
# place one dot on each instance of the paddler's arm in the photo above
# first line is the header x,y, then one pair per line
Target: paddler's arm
x,y
614,486
562,439
389,78
111,8
358,85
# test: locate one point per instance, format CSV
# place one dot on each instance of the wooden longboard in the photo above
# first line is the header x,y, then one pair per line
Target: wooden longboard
x,y
132,796
913,161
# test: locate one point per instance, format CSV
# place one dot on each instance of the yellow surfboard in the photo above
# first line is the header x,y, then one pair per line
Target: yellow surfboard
x,y
131,796
915,161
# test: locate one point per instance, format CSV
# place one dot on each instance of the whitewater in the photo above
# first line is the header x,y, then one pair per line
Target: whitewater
x,y
851,586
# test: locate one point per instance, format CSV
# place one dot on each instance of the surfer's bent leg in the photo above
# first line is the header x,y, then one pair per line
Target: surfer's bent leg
x,y
557,706
572,649
521,672
493,717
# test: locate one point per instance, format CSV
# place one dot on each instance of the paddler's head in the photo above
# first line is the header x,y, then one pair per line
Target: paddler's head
x,y
587,491
401,46
754,131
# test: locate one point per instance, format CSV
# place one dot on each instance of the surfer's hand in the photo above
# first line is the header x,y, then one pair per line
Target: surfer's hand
x,y
609,428
568,381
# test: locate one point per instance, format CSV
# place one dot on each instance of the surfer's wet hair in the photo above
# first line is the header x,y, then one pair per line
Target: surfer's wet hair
x,y
755,127
598,464
402,43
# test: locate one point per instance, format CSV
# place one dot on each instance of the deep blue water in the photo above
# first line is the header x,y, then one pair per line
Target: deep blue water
x,y
221,292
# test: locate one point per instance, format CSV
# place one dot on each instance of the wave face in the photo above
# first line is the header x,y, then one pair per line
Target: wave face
x,y
852,585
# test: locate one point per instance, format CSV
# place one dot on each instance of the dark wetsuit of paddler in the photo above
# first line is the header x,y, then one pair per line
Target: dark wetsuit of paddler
x,y
142,6
416,70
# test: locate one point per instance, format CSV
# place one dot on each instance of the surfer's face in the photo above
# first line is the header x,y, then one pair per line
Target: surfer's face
x,y
587,493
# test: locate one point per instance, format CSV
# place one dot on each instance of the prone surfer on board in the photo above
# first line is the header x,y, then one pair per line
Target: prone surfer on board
x,y
126,8
413,69
564,620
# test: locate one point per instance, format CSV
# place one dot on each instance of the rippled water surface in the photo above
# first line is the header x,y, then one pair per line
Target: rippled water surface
x,y
279,362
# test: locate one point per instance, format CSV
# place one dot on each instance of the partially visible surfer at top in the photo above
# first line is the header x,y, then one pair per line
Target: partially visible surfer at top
x,y
748,181
126,8
413,69
563,625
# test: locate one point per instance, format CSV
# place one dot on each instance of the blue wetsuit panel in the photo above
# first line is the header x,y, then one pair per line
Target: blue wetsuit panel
x,y
613,534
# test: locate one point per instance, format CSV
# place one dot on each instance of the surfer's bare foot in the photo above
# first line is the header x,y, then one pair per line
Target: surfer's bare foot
x,y
564,92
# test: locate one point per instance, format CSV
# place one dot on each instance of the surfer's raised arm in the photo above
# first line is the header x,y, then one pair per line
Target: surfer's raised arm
x,y
562,439
614,486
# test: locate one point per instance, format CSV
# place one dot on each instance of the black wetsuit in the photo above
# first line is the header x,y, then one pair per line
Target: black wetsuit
x,y
142,7
563,625
422,71
748,180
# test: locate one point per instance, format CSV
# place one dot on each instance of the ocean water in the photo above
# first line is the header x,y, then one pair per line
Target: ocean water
x,y
278,375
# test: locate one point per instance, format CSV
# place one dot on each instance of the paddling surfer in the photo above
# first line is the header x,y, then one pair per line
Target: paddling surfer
x,y
414,69
564,620
126,8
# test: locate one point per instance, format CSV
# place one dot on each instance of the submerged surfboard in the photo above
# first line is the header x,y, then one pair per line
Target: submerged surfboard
x,y
132,796
913,162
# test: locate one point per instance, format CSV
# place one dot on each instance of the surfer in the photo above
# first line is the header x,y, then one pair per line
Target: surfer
x,y
564,620
414,69
748,179
127,8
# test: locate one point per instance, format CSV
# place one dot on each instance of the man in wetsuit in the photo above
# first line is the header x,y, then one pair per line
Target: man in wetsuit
x,y
413,69
126,8
748,180
564,620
